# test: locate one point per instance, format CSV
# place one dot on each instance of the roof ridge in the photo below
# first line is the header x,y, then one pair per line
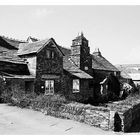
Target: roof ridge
x,y
38,41
12,38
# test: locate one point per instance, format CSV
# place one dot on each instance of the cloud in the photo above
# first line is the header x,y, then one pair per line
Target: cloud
x,y
41,12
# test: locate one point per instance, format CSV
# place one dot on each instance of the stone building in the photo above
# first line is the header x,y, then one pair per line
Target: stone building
x,y
52,69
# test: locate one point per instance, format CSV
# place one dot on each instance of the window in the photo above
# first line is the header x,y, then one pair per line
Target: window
x,y
49,87
76,85
48,53
52,54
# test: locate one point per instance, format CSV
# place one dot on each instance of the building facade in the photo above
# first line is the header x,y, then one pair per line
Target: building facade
x,y
52,69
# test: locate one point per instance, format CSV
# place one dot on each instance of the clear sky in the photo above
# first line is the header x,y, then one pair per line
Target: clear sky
x,y
115,30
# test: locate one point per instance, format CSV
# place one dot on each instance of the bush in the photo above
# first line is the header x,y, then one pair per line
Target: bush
x,y
5,91
22,100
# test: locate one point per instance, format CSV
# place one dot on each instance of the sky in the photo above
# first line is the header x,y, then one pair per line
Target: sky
x,y
115,30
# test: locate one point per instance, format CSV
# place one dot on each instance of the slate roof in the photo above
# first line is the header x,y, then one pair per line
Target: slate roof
x,y
70,67
28,48
34,47
66,51
12,59
100,63
12,42
14,67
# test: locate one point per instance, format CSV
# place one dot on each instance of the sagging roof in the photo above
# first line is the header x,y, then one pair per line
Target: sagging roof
x,y
10,42
12,59
100,63
70,67
14,76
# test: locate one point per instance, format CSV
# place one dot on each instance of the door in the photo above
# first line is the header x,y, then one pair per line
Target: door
x,y
49,87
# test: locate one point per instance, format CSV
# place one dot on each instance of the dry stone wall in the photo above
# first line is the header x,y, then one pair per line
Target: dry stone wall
x,y
128,113
117,116
94,116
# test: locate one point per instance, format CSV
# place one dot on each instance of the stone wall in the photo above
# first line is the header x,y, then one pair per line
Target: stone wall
x,y
91,115
128,113
117,116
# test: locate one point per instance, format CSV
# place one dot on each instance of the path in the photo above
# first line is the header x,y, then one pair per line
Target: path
x,y
14,120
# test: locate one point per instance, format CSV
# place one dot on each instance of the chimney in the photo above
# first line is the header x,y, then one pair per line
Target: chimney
x,y
97,52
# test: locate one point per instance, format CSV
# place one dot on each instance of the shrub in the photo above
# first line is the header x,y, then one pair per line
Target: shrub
x,y
21,99
5,91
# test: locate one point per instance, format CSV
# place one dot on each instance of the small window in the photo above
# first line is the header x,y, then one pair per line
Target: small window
x,y
52,54
48,53
49,87
76,85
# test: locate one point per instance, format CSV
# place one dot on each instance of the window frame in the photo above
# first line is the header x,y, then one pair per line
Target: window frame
x,y
75,90
50,90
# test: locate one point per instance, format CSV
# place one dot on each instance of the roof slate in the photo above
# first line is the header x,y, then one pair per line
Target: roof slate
x,y
28,48
13,42
66,51
70,67
100,63
12,59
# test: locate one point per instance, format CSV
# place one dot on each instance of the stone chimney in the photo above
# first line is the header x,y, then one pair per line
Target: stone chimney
x,y
97,52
